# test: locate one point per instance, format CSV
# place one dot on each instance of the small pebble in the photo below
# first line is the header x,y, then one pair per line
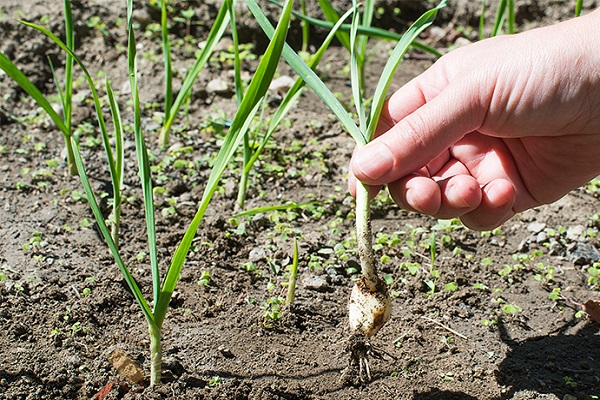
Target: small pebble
x,y
318,283
218,86
257,254
574,232
541,237
536,227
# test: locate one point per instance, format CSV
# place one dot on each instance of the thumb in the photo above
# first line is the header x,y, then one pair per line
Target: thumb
x,y
420,136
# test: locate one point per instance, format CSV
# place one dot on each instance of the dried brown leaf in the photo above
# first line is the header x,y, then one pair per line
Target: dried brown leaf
x,y
593,309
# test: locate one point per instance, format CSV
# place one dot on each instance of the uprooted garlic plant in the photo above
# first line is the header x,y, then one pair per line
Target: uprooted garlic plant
x,y
370,305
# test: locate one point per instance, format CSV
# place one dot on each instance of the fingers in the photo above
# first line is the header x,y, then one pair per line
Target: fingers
x,y
479,208
446,198
417,193
498,198
420,137
352,182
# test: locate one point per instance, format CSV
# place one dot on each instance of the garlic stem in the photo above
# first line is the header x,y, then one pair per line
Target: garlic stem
x,y
364,237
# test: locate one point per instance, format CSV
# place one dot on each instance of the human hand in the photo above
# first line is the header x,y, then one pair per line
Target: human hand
x,y
494,128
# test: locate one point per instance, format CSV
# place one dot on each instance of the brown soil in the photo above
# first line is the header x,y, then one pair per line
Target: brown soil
x,y
64,307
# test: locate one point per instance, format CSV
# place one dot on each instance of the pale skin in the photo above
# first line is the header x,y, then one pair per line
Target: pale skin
x,y
493,128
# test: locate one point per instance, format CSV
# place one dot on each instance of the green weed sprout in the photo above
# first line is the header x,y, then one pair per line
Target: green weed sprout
x,y
370,305
172,106
63,123
291,284
251,152
162,289
578,6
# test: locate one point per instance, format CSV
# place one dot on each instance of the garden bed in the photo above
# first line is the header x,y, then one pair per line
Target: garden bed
x,y
491,329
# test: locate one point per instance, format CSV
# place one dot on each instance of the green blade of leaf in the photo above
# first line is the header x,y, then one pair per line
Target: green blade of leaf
x,y
142,156
355,71
499,21
373,32
215,34
393,61
19,77
166,46
511,28
69,63
309,76
482,20
241,122
237,68
118,131
362,40
90,81
133,286
294,92
332,16
117,182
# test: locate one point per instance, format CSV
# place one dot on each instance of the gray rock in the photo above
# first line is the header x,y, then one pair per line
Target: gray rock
x,y
584,254
257,254
218,86
333,274
574,232
536,227
541,237
282,84
462,42
260,220
314,282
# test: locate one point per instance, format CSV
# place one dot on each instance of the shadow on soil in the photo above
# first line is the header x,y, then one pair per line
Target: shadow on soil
x,y
558,364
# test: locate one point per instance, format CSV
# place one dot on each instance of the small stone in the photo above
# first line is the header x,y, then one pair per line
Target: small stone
x,y
462,42
313,282
260,220
574,232
257,254
231,187
218,86
334,276
536,227
541,237
224,45
225,352
437,32
569,397
584,254
282,84
185,198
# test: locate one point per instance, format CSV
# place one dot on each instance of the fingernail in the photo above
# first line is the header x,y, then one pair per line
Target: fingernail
x,y
374,160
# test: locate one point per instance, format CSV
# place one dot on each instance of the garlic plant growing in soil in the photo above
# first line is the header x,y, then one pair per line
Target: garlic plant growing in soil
x,y
65,94
370,304
163,287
